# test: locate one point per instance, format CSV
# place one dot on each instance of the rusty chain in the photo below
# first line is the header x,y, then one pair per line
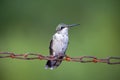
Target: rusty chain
x,y
82,59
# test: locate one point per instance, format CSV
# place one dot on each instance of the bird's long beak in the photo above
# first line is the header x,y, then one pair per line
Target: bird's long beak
x,y
72,25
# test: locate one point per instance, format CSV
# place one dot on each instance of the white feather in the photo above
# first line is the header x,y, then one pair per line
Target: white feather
x,y
60,42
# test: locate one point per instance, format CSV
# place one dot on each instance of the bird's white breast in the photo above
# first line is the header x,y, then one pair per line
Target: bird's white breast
x,y
60,43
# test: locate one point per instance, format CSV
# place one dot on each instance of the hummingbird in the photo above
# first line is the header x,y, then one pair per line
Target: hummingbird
x,y
58,45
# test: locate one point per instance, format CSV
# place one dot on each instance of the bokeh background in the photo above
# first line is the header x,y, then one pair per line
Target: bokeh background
x,y
28,25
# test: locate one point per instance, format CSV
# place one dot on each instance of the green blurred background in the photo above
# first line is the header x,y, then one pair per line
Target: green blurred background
x,y
28,25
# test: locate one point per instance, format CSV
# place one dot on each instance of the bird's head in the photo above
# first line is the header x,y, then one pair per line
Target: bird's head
x,y
63,28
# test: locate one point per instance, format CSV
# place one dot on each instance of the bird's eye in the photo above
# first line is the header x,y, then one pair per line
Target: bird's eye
x,y
62,28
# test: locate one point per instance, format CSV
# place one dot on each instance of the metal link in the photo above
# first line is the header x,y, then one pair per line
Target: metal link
x,y
113,58
82,59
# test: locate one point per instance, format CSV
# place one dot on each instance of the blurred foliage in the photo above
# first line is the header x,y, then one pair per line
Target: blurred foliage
x,y
28,25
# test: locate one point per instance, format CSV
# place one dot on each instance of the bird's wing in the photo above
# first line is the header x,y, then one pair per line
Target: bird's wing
x,y
50,47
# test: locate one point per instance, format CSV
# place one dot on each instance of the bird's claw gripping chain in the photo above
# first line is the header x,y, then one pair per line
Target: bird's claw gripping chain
x,y
82,59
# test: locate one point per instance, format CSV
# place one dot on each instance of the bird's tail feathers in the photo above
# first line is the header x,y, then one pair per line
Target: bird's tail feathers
x,y
51,64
